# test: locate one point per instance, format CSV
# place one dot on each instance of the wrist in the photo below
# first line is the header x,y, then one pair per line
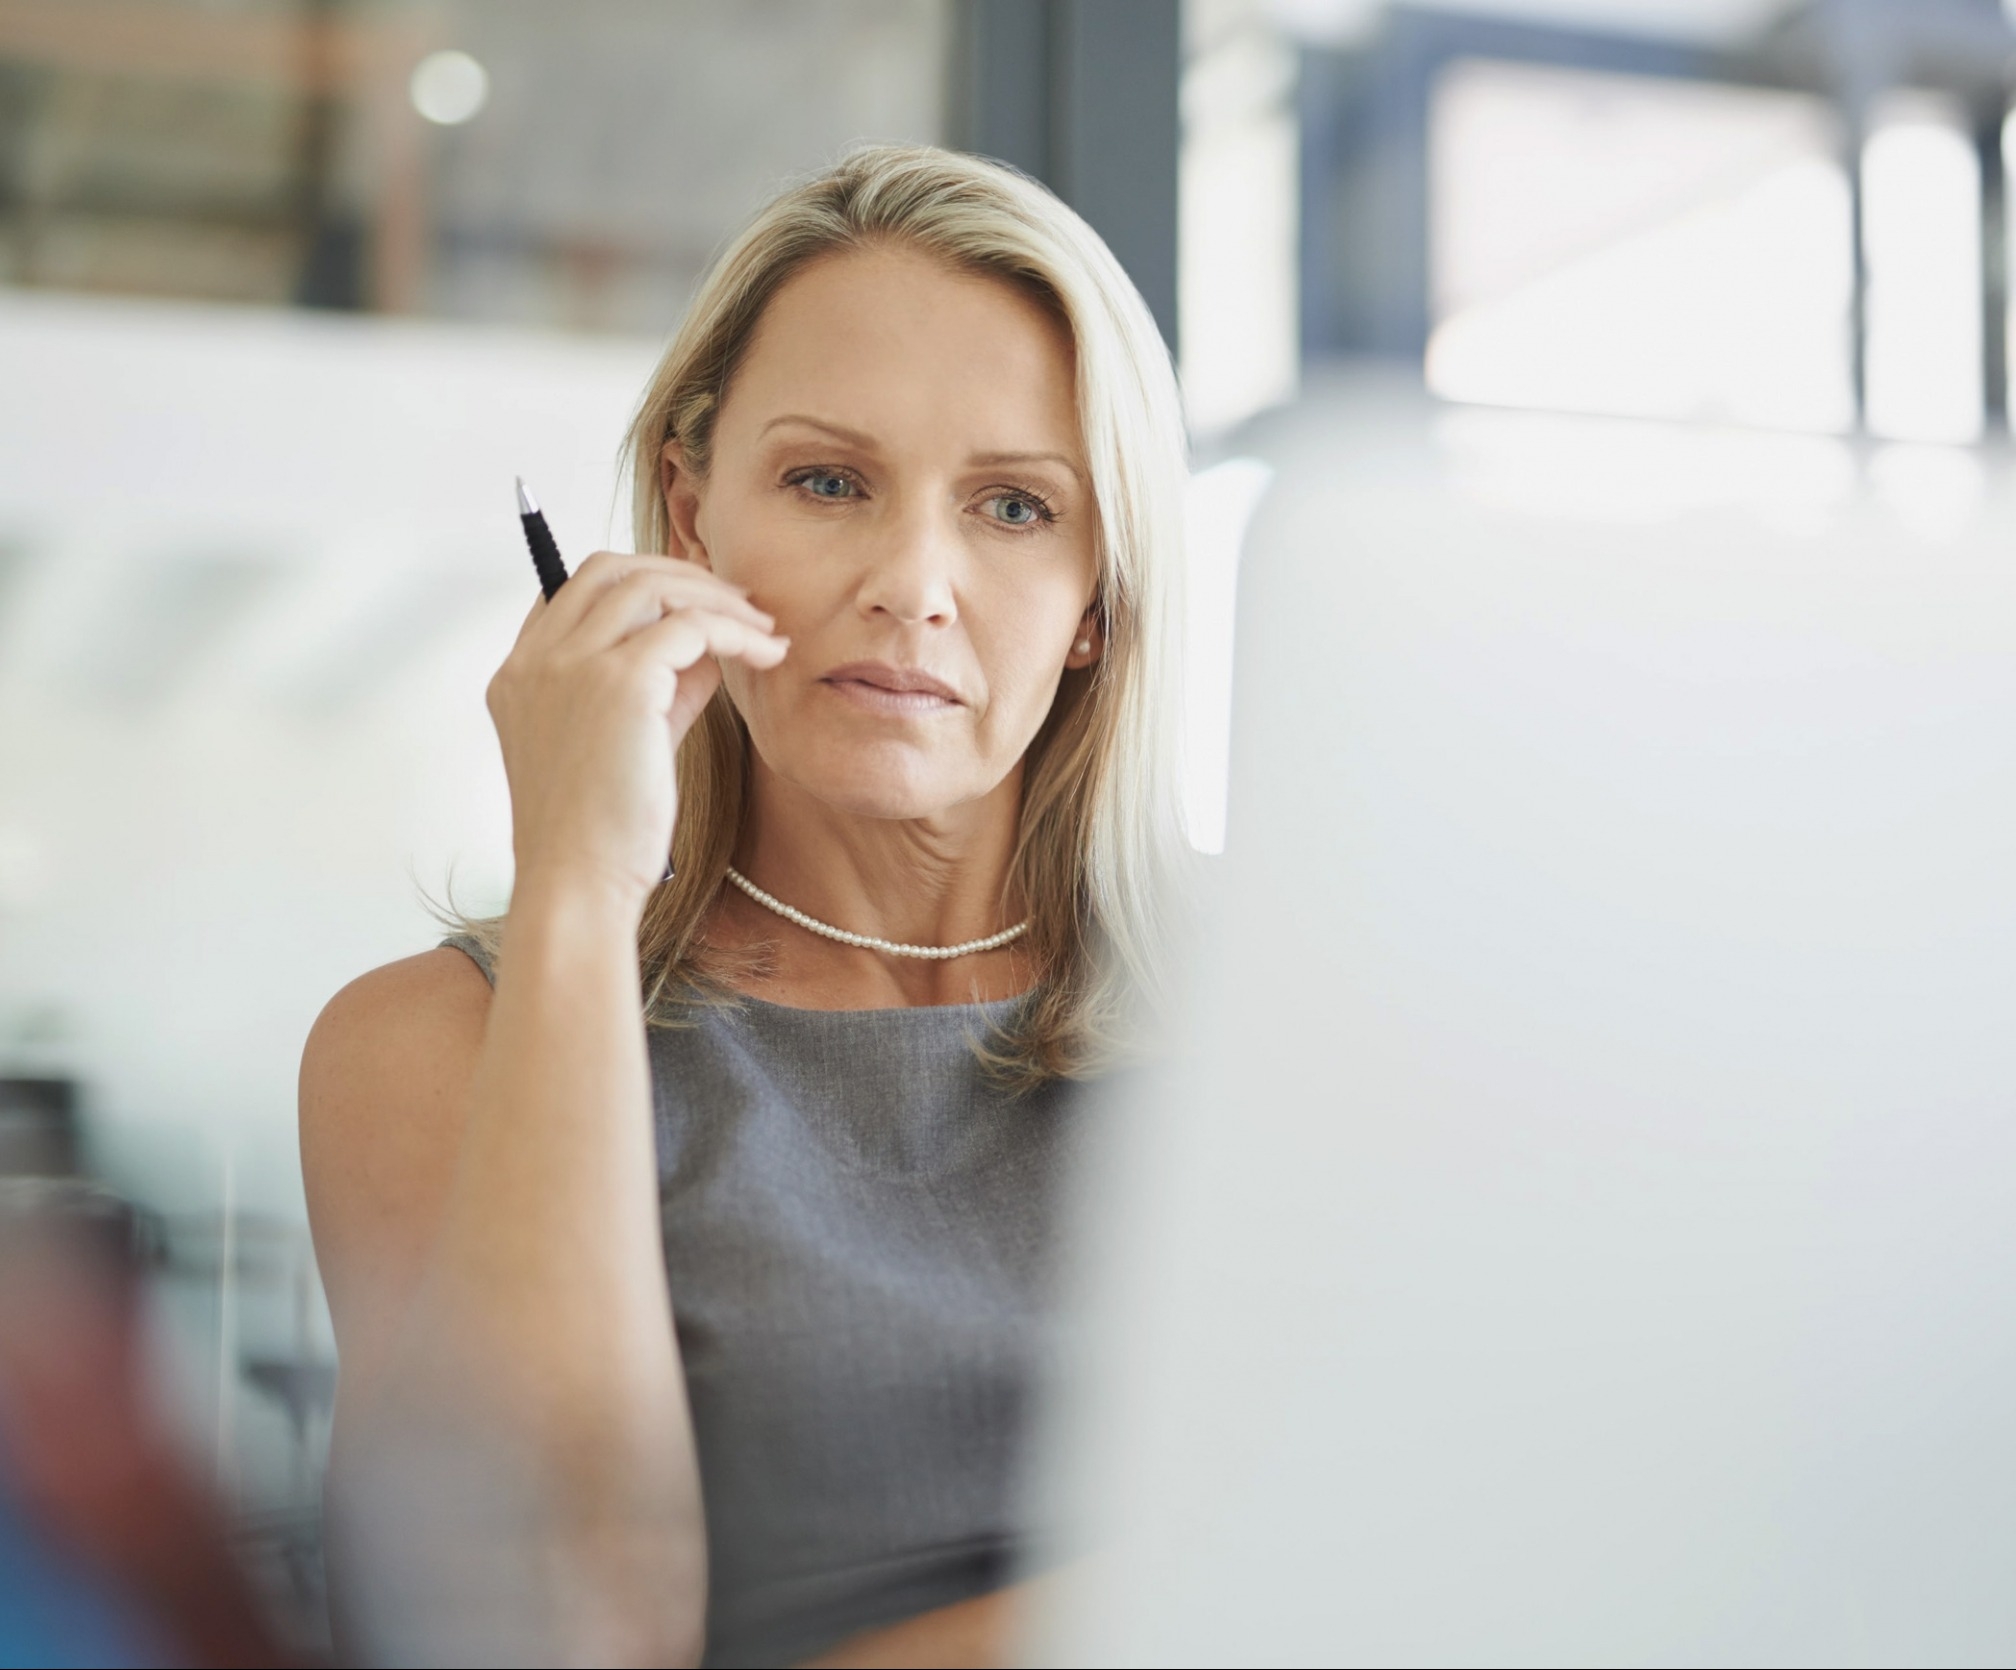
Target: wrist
x,y
577,899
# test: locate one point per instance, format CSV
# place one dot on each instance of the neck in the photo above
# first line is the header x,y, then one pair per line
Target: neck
x,y
935,880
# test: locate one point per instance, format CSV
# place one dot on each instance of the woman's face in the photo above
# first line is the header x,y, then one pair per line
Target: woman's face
x,y
898,477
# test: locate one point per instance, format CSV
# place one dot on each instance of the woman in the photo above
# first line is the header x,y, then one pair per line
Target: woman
x,y
897,685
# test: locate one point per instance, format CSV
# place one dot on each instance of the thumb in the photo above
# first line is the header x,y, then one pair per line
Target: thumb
x,y
696,688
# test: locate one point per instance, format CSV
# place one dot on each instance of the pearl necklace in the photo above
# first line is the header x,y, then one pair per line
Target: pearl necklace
x,y
868,942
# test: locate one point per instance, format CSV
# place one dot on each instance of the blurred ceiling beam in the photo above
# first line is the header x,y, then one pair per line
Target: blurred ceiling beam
x,y
315,52
312,50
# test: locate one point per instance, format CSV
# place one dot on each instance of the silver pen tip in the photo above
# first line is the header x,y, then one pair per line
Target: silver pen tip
x,y
527,505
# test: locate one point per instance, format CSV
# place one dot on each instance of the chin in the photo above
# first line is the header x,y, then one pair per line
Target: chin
x,y
879,780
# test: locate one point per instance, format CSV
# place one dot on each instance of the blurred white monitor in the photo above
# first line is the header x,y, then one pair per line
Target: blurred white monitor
x,y
1581,1225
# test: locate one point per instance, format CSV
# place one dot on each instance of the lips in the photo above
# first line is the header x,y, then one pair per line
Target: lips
x,y
903,680
906,687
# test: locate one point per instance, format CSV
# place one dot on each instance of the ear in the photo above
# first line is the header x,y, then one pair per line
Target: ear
x,y
681,490
1088,642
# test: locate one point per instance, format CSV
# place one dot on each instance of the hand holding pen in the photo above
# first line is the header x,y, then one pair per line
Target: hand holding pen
x,y
609,672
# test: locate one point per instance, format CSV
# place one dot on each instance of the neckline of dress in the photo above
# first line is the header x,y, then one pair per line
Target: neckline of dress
x,y
990,1006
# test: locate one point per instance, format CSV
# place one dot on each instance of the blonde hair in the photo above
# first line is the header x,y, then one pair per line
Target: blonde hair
x,y
1100,831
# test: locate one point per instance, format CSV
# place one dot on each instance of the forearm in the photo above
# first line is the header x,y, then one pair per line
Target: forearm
x,y
551,1230
538,1348
974,1634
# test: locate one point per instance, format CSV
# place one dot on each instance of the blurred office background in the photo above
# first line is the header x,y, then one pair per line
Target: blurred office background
x,y
289,290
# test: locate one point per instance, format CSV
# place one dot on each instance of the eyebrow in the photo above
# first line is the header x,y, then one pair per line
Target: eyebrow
x,y
989,459
986,460
853,437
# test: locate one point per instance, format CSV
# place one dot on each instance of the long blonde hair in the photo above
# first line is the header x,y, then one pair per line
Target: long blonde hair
x,y
1100,832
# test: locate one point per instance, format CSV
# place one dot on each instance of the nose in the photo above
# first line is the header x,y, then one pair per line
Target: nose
x,y
909,580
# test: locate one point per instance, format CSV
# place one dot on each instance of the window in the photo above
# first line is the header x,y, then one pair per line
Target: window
x,y
1639,245
1921,244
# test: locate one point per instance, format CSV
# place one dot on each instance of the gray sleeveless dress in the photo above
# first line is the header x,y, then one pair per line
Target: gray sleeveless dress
x,y
860,1235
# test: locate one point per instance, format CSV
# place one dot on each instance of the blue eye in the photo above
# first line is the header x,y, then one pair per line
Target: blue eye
x,y
825,484
1018,510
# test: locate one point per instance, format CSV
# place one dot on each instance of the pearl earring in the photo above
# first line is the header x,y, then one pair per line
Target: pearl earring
x,y
1084,646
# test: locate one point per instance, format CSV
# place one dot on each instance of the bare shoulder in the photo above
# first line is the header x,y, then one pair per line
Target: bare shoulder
x,y
384,1077
400,1035
399,1007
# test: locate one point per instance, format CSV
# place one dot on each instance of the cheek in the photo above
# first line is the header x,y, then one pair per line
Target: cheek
x,y
1022,647
753,546
731,527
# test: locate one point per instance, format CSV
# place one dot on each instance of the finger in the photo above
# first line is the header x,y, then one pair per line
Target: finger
x,y
639,599
532,614
643,600
644,595
693,688
607,569
680,640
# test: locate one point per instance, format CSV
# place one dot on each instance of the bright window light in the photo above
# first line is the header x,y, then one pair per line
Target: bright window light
x,y
1921,240
2009,234
1640,246
1237,228
1221,503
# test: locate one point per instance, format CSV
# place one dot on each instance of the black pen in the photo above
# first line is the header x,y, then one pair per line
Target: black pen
x,y
545,554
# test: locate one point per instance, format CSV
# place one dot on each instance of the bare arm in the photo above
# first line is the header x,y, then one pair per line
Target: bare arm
x,y
481,1177
975,1634
483,1189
